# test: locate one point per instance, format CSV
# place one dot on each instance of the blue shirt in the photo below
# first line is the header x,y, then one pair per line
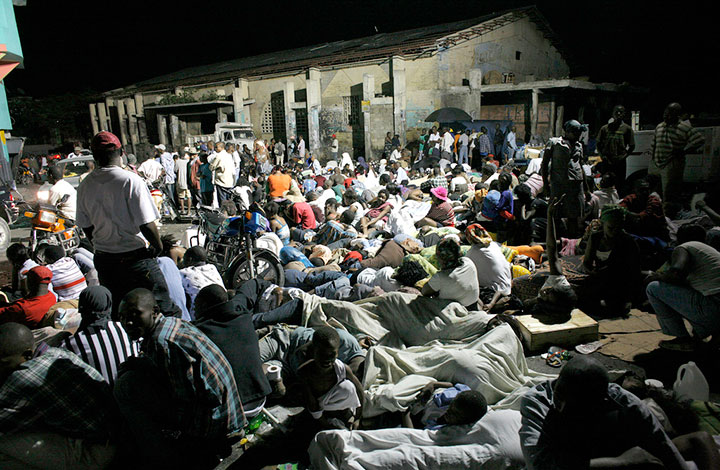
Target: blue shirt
x,y
173,279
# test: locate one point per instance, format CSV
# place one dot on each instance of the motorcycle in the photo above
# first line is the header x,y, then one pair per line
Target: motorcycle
x,y
49,228
24,175
231,246
163,201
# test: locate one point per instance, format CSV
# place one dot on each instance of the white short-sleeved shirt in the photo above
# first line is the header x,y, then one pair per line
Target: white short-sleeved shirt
x,y
493,269
60,189
459,284
115,203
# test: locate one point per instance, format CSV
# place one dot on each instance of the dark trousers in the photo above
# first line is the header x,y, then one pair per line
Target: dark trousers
x,y
122,272
170,192
290,312
223,194
206,198
153,438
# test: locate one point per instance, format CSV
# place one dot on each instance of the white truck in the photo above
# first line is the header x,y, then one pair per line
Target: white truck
x,y
699,167
232,132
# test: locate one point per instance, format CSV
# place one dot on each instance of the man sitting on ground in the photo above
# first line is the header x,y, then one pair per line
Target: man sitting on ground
x,y
646,216
31,309
333,394
67,279
580,420
180,399
55,410
232,330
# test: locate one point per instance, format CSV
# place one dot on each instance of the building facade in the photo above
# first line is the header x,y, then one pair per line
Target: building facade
x,y
358,89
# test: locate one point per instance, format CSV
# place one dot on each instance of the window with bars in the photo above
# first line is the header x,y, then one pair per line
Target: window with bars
x,y
267,120
351,110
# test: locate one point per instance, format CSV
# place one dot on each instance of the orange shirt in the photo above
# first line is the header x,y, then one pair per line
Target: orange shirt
x,y
279,183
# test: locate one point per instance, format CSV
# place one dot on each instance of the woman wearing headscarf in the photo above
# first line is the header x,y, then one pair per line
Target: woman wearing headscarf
x,y
99,341
457,278
493,269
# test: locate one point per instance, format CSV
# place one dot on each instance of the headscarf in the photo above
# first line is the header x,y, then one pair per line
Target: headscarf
x,y
95,307
477,235
610,211
363,163
480,194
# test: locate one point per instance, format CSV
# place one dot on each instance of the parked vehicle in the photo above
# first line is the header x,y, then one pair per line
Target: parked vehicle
x,y
231,247
9,213
74,168
49,228
233,132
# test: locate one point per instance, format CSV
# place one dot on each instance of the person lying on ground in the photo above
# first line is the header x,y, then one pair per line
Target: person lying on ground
x,y
457,280
55,410
268,303
455,405
688,290
232,330
580,420
180,399
332,393
31,309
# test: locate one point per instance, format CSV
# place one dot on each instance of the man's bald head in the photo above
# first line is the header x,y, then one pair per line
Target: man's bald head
x,y
581,387
672,113
16,346
209,296
138,311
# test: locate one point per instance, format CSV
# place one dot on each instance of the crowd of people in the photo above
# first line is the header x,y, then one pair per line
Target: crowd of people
x,y
137,350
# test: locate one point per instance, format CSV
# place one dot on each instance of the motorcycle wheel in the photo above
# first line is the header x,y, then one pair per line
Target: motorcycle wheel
x,y
5,236
266,267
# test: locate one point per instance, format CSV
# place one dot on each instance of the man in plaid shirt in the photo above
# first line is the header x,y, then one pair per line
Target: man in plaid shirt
x,y
180,398
55,410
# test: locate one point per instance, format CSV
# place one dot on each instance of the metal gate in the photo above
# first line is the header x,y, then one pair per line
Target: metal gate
x,y
277,108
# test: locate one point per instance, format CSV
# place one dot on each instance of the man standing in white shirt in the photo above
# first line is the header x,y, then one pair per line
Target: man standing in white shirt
x,y
60,188
463,143
334,147
168,164
151,170
301,147
121,224
183,189
510,144
279,151
447,145
223,169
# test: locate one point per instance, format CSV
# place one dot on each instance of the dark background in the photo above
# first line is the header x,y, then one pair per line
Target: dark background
x,y
85,47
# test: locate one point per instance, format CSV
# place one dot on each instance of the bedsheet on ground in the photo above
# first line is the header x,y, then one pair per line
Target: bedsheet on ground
x,y
493,364
398,319
492,443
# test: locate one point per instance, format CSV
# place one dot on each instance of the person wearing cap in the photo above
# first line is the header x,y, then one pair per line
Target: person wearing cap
x,y
334,147
441,213
563,173
59,189
32,308
117,214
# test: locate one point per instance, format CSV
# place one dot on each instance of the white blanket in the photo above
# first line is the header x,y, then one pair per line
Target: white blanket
x,y
398,319
493,364
492,443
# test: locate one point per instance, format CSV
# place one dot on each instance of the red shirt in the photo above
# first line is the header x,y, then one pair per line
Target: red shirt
x,y
28,311
303,213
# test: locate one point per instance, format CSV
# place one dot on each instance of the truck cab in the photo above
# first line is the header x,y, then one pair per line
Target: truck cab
x,y
232,132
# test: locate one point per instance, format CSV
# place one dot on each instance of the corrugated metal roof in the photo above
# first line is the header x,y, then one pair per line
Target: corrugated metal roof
x,y
413,42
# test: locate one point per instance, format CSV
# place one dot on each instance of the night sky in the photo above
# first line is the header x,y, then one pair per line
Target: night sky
x,y
80,45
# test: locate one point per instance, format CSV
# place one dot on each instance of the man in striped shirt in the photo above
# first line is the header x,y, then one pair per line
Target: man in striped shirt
x,y
672,141
67,280
180,398
99,341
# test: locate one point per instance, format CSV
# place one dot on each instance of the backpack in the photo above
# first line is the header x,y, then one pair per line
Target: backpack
x,y
490,205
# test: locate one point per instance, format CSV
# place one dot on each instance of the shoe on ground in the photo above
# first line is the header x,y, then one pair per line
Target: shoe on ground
x,y
684,344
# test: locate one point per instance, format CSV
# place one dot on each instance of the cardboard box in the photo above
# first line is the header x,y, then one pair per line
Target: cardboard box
x,y
539,336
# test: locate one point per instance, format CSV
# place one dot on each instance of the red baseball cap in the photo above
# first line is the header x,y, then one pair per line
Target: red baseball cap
x,y
105,141
40,274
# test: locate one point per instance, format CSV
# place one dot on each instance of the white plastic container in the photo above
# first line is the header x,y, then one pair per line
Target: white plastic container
x,y
691,383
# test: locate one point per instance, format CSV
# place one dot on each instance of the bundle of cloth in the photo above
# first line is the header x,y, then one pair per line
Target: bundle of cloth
x,y
492,443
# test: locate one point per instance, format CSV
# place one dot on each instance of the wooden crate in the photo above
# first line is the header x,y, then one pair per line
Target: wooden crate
x,y
539,336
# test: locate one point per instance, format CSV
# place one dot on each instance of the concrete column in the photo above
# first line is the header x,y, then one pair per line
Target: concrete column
x,y
94,118
122,117
140,111
183,135
290,123
399,97
368,94
475,98
238,102
559,116
175,132
534,112
108,103
221,117
551,118
162,129
132,123
314,103
102,116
